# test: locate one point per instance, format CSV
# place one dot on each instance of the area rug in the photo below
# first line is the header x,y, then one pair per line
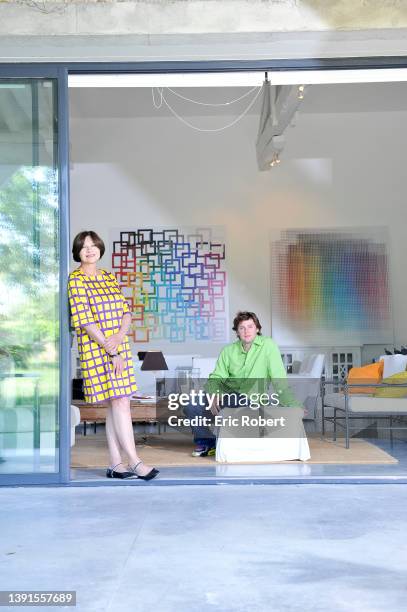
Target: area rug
x,y
175,450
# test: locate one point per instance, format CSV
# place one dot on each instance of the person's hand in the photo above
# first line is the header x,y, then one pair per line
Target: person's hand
x,y
215,407
113,342
118,365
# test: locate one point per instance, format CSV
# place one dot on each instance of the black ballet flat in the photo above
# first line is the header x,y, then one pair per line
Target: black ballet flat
x,y
110,473
151,474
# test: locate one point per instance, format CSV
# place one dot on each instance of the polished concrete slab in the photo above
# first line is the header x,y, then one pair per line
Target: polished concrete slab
x,y
225,548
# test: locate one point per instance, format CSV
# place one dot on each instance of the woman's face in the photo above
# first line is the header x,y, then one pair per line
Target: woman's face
x,y
247,330
89,253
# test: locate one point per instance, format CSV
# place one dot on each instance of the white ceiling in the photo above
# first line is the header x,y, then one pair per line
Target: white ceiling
x,y
87,103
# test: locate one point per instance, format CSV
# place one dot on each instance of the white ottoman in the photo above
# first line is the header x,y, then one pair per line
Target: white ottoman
x,y
231,447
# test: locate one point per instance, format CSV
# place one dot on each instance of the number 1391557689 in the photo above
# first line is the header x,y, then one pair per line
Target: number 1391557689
x,y
37,598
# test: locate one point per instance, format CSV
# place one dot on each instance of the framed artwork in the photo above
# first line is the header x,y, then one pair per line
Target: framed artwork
x,y
331,287
175,282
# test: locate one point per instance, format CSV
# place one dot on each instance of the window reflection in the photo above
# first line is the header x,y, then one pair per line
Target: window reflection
x,y
28,279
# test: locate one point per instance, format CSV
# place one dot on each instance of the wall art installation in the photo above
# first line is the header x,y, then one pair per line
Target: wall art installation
x,y
331,286
175,282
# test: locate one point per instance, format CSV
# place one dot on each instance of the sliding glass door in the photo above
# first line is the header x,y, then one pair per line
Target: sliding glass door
x,y
33,414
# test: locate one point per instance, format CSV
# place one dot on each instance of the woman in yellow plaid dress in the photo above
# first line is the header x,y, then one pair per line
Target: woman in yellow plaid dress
x,y
102,317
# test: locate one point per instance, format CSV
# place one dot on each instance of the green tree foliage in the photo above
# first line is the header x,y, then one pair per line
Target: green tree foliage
x,y
29,262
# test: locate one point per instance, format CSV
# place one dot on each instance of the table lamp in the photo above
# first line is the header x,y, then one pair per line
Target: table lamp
x,y
153,361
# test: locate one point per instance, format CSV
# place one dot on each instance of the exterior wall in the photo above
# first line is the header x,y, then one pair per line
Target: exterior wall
x,y
40,30
41,17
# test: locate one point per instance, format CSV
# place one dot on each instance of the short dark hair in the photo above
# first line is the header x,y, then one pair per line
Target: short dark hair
x,y
245,315
79,241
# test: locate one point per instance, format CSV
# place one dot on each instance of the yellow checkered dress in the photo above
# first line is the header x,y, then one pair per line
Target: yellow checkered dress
x,y
98,299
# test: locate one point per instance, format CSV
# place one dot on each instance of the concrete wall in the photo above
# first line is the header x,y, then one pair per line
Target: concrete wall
x,y
87,30
339,170
43,17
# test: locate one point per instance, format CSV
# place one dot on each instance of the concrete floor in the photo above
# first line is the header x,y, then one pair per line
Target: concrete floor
x,y
225,548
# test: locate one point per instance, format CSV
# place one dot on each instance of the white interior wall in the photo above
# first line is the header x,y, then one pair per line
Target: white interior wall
x,y
338,170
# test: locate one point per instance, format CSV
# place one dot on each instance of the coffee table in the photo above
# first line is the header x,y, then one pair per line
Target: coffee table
x,y
141,412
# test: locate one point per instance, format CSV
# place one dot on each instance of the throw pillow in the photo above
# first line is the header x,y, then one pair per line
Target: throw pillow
x,y
371,373
397,379
393,364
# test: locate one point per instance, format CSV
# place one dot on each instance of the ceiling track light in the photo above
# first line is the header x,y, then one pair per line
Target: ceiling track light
x,y
279,107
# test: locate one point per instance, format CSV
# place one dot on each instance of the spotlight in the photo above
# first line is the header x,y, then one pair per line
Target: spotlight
x,y
270,155
275,161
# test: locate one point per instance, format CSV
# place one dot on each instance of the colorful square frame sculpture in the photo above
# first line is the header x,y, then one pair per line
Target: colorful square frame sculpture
x,y
175,282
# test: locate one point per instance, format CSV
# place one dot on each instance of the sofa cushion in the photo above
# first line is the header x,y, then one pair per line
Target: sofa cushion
x,y
367,403
313,365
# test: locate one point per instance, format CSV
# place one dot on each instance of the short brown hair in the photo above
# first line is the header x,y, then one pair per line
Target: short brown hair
x,y
245,315
79,241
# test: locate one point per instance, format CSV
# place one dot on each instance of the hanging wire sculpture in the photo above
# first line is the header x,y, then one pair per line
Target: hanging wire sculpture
x,y
159,99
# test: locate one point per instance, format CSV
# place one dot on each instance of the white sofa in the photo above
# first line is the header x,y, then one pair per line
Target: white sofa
x,y
203,366
344,406
75,420
17,428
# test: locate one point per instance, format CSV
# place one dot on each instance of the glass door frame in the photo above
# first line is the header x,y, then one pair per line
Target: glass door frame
x,y
60,72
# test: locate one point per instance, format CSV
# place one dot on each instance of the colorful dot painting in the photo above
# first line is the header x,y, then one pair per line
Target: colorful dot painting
x,y
332,283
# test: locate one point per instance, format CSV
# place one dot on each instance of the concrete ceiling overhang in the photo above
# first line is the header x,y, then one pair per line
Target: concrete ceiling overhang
x,y
85,30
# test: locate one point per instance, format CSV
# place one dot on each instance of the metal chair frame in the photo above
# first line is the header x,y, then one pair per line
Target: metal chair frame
x,y
351,414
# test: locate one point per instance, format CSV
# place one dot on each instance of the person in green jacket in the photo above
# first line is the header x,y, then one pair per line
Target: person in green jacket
x,y
250,363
